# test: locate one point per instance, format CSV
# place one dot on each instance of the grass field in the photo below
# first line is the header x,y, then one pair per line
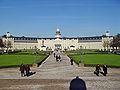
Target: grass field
x,y
6,60
109,59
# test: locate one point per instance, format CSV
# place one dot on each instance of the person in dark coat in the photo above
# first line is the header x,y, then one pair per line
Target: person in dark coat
x,y
22,68
71,60
77,84
59,58
98,70
27,70
54,54
104,70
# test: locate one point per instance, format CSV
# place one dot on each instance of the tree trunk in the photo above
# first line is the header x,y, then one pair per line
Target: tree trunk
x,y
113,48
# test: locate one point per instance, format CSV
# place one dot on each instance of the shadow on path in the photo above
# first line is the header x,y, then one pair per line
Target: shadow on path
x,y
31,73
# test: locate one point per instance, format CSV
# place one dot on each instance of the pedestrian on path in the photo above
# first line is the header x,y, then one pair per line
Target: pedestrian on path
x,y
71,60
54,54
104,70
22,68
56,58
98,69
27,70
59,58
77,84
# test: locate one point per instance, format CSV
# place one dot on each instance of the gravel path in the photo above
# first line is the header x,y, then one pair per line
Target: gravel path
x,y
52,75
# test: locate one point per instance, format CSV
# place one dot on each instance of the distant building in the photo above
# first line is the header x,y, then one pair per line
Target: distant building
x,y
62,43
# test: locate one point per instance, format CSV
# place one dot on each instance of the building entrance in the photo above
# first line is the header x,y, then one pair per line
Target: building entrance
x,y
58,46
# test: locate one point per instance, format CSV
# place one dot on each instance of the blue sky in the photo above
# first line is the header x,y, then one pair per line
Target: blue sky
x,y
74,17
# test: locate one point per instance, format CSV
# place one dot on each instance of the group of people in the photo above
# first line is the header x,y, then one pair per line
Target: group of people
x,y
58,57
98,70
23,69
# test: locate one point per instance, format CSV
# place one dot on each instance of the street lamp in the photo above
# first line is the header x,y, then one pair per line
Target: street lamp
x,y
35,52
35,55
80,54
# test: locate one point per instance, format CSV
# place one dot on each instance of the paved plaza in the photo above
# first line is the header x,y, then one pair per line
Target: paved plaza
x,y
52,75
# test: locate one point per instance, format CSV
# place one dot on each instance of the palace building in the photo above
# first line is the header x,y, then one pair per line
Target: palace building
x,y
58,42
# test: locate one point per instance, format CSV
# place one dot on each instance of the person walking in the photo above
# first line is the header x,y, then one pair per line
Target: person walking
x,y
22,68
104,70
59,58
77,84
27,70
56,58
54,54
71,60
98,69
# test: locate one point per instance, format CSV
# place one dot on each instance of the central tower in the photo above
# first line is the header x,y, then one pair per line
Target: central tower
x,y
58,35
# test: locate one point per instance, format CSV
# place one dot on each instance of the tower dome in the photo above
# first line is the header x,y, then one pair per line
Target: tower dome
x,y
107,33
58,35
8,34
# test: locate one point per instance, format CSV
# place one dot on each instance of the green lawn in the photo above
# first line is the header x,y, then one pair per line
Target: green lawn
x,y
109,59
6,60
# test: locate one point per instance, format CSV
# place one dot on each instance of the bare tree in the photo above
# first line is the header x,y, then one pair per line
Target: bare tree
x,y
1,43
106,45
116,42
8,44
